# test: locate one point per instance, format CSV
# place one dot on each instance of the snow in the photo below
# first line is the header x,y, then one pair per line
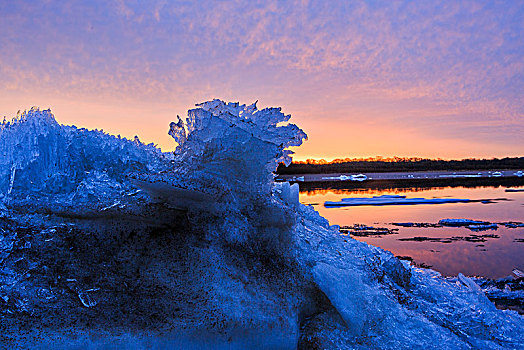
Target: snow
x,y
245,265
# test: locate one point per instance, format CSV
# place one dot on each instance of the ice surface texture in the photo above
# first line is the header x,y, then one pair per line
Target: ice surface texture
x,y
244,265
235,145
42,159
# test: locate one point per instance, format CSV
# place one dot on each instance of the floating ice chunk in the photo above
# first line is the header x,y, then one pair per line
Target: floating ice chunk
x,y
359,177
296,179
513,224
341,177
482,227
391,200
364,230
461,222
514,190
404,224
460,175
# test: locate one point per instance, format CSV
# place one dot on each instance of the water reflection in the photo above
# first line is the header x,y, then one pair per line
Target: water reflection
x,y
494,255
403,186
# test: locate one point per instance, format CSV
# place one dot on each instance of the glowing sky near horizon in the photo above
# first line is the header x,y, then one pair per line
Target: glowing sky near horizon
x,y
362,78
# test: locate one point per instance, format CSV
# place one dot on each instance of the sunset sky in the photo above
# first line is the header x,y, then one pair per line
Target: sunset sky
x,y
362,78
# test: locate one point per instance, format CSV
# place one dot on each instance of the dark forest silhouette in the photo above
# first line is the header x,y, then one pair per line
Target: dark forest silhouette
x,y
398,164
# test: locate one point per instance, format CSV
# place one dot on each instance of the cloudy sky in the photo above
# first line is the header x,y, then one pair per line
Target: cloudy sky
x,y
362,78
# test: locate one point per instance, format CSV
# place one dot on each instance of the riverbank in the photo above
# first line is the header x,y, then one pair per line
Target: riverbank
x,y
415,175
396,164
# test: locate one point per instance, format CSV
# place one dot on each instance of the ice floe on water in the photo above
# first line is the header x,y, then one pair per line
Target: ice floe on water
x,y
402,200
391,200
514,190
210,253
461,222
476,225
365,231
458,176
355,177
473,225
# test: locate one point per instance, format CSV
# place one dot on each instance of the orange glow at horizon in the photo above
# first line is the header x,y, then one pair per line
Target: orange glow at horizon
x,y
327,139
407,79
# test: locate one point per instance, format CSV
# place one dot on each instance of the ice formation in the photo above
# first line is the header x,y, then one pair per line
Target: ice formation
x,y
219,255
239,145
43,160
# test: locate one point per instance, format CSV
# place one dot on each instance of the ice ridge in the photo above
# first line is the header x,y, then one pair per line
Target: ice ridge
x,y
45,160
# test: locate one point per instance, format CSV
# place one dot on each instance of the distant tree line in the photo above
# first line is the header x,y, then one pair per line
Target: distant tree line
x,y
396,164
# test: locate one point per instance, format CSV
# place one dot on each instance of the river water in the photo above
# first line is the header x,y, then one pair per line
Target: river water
x,y
450,250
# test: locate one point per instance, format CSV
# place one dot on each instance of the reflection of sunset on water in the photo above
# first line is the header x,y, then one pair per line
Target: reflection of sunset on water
x,y
365,191
495,257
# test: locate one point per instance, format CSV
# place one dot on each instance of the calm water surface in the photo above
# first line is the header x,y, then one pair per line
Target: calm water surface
x,y
494,258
